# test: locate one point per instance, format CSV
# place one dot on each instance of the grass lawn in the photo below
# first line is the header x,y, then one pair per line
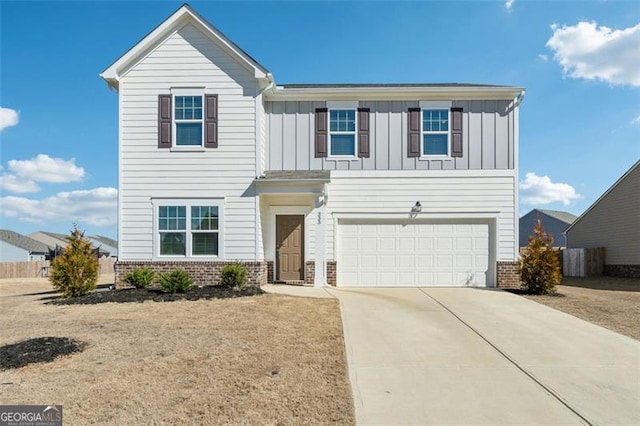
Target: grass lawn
x,y
610,302
252,360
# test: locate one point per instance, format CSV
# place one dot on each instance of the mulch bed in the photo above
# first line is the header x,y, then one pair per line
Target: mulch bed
x,y
140,295
40,349
523,292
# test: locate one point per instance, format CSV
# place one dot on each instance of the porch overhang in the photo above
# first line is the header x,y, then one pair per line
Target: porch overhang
x,y
293,182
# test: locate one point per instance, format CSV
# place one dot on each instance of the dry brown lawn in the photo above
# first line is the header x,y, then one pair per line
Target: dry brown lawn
x,y
610,302
268,359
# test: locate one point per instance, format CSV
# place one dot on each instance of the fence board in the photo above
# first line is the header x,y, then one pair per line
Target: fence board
x,y
38,269
583,262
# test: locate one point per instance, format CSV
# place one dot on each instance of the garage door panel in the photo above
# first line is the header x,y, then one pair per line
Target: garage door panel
x,y
413,254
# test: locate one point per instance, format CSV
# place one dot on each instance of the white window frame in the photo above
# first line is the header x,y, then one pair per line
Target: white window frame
x,y
187,203
174,140
429,106
343,105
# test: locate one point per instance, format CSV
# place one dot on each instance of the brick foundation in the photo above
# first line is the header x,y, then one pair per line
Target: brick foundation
x,y
623,271
202,273
507,274
309,272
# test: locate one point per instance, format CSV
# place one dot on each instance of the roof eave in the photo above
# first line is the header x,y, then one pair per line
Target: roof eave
x,y
113,73
403,93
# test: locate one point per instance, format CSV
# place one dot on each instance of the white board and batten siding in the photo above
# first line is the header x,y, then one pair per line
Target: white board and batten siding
x,y
187,59
489,129
476,205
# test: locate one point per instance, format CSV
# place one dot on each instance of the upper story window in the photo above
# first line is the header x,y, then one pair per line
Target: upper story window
x,y
188,113
342,132
435,132
188,228
188,119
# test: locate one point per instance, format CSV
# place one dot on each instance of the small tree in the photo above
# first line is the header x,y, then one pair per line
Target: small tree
x,y
75,271
539,267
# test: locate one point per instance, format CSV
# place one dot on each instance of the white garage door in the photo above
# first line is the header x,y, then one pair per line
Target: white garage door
x,y
413,254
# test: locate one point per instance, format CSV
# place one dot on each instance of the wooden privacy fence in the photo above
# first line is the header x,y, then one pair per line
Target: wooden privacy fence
x,y
582,262
39,269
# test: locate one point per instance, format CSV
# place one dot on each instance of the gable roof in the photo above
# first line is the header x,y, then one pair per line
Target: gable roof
x,y
22,241
603,196
562,216
55,235
182,16
105,240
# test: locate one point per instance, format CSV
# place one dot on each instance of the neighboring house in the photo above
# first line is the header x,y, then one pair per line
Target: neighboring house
x,y
555,223
613,222
59,241
341,184
106,244
16,247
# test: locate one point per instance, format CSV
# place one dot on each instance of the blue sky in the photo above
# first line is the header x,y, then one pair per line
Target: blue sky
x,y
579,61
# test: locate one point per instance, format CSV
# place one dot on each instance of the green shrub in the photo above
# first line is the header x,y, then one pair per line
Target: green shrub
x,y
176,281
75,271
233,275
539,266
140,277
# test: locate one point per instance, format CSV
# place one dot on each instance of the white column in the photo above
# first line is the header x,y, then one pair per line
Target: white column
x,y
320,279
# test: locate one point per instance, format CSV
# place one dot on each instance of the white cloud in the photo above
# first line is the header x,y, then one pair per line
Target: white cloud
x,y
43,168
540,190
636,121
588,51
95,207
542,57
8,118
12,183
509,3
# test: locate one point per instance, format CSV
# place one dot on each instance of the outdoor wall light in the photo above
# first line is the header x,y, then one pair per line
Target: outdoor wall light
x,y
417,207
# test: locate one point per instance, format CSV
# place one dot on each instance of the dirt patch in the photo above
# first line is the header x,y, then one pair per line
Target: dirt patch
x,y
613,303
142,295
267,359
39,349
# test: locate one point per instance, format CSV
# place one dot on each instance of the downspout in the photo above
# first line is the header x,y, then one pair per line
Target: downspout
x,y
519,98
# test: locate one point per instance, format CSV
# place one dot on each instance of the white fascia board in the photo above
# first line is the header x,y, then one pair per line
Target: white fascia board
x,y
407,93
176,21
385,174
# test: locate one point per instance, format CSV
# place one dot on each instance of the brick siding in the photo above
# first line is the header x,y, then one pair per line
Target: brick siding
x,y
624,271
202,272
310,272
507,276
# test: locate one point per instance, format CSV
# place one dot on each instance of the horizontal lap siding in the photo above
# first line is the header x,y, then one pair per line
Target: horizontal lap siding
x,y
613,223
456,195
488,137
187,59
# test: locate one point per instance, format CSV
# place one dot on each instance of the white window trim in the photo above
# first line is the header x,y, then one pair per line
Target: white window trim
x,y
186,91
187,203
342,105
435,105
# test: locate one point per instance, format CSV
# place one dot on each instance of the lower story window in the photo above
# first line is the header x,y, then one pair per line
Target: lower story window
x,y
191,229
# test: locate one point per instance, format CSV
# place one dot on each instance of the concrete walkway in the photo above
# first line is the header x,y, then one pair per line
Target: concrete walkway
x,y
444,356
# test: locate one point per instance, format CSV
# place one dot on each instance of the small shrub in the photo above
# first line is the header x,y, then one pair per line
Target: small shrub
x,y
539,266
176,281
233,275
140,277
75,271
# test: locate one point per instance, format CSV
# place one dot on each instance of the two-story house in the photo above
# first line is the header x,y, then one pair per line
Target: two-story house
x,y
347,184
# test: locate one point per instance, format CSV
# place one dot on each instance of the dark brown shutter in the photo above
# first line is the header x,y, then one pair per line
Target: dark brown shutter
x,y
414,133
211,121
164,121
363,132
456,132
322,135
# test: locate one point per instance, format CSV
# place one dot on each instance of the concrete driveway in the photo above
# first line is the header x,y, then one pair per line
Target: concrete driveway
x,y
444,356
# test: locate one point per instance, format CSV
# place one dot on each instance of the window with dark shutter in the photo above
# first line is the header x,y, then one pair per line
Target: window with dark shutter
x,y
321,139
164,121
363,132
211,121
413,141
456,132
